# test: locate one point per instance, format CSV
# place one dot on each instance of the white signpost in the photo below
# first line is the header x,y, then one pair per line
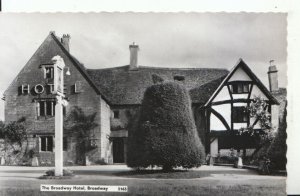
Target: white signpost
x,y
59,91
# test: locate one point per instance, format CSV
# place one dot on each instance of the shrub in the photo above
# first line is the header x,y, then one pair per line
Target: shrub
x,y
165,133
66,172
277,150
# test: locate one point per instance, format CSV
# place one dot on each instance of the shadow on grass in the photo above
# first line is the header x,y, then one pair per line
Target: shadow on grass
x,y
160,174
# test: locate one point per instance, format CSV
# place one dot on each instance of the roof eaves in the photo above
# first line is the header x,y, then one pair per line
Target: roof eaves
x,y
241,62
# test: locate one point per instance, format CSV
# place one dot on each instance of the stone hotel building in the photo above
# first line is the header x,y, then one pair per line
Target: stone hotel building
x,y
219,98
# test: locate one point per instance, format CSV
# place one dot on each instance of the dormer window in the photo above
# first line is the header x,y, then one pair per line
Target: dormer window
x,y
179,78
49,72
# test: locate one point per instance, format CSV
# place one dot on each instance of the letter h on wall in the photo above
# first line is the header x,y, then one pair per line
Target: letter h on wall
x,y
25,89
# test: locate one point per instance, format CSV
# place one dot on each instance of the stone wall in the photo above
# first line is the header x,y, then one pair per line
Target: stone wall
x,y
19,105
105,142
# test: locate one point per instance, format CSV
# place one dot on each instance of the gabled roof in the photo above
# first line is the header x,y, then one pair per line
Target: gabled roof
x,y
79,66
126,87
244,66
50,47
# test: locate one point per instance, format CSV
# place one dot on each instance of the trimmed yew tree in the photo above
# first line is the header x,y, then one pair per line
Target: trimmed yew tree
x,y
165,132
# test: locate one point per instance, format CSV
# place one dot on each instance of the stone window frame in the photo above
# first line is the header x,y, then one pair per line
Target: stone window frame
x,y
48,106
48,66
47,143
52,113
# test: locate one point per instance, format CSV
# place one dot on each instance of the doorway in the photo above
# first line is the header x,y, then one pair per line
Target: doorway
x,y
118,150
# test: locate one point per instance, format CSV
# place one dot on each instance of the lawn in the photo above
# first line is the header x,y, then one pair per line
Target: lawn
x,y
196,182
165,188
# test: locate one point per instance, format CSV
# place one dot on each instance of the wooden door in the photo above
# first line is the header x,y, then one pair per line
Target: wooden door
x,y
118,150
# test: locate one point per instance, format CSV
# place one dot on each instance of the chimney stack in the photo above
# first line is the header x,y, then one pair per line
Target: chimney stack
x,y
133,56
65,40
273,77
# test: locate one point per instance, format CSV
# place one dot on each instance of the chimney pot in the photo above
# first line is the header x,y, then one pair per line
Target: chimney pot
x,y
65,40
133,56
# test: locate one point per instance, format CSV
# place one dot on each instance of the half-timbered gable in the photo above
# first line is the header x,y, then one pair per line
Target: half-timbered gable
x,y
227,107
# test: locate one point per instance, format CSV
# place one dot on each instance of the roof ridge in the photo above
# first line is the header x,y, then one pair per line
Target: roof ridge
x,y
161,68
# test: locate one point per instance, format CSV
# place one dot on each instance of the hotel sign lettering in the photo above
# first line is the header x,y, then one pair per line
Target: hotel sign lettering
x,y
37,89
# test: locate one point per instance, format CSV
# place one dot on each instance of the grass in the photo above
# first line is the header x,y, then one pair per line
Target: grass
x,y
154,182
168,189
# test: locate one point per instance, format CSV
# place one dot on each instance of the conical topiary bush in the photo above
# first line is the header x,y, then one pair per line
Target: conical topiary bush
x,y
165,132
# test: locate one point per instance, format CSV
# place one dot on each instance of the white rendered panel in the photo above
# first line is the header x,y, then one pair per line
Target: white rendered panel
x,y
222,95
239,125
240,75
216,124
225,111
240,104
240,96
257,92
257,125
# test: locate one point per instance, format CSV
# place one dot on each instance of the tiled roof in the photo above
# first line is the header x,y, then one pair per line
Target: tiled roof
x,y
125,87
202,93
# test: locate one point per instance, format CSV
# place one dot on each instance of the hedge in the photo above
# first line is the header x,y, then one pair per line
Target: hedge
x,y
278,148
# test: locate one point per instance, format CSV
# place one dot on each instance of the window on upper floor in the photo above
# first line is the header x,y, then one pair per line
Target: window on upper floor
x,y
49,72
240,114
116,114
238,88
46,108
46,143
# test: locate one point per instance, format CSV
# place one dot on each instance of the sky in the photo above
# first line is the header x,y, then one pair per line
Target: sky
x,y
204,40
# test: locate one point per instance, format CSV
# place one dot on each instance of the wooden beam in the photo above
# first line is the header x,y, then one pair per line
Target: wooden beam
x,y
249,95
239,82
231,101
229,91
220,117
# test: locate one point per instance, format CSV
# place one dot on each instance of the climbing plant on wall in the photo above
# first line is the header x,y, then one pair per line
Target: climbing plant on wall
x,y
258,110
79,125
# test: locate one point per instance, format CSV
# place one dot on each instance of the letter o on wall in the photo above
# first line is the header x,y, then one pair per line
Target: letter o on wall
x,y
39,89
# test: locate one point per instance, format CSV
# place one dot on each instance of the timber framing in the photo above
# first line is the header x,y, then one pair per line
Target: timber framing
x,y
241,64
220,117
